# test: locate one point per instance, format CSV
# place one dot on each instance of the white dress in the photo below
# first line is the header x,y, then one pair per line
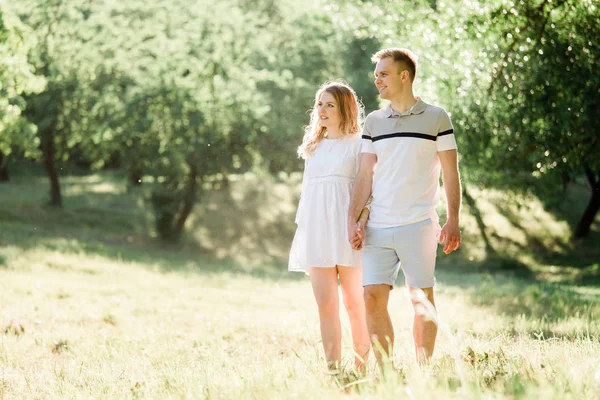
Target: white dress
x,y
321,238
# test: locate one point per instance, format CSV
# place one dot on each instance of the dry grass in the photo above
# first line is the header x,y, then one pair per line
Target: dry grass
x,y
94,326
86,313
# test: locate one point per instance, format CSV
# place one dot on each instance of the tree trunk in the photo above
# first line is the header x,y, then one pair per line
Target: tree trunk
x,y
489,249
49,151
135,176
3,169
188,201
585,223
225,178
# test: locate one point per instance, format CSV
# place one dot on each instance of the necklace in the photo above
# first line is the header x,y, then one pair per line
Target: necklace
x,y
330,143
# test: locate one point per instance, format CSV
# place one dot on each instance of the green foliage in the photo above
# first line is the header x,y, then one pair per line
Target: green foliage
x,y
16,80
64,52
224,87
532,117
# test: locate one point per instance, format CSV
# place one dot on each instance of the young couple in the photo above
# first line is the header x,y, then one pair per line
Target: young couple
x,y
396,163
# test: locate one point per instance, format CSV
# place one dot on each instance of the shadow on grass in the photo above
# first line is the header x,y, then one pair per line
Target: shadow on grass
x,y
508,286
570,208
574,261
246,220
244,227
149,253
545,301
581,254
106,213
570,205
534,244
118,226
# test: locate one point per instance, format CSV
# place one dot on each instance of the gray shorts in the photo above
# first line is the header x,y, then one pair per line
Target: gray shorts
x,y
412,247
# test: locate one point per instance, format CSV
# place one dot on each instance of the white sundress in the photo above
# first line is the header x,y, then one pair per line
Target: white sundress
x,y
321,238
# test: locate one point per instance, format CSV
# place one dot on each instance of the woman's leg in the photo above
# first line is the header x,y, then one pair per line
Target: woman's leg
x,y
352,290
325,287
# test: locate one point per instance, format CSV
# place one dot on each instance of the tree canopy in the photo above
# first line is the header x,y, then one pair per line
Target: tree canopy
x,y
180,92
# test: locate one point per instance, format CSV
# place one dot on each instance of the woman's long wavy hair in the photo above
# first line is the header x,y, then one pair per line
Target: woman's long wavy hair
x,y
351,116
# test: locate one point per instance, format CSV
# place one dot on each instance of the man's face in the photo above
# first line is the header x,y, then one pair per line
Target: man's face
x,y
388,80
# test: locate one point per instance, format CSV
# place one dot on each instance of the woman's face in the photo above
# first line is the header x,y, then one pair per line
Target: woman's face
x,y
329,111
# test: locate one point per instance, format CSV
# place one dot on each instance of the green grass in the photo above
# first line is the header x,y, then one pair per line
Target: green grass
x,y
109,312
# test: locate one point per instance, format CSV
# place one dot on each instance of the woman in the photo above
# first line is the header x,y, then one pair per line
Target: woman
x,y
331,149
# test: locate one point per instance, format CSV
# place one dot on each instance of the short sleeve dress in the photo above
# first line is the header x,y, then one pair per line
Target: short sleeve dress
x,y
321,238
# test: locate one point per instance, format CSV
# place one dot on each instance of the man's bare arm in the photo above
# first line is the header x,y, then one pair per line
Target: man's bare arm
x,y
361,192
452,187
357,241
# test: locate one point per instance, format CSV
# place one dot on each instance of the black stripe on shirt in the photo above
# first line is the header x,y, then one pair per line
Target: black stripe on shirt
x,y
448,132
408,134
404,134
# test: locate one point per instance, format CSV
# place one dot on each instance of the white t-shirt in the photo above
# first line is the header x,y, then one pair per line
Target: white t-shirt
x,y
406,181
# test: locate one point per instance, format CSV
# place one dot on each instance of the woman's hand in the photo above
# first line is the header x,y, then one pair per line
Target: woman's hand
x,y
356,231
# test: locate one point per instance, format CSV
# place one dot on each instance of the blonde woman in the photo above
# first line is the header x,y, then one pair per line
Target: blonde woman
x,y
331,149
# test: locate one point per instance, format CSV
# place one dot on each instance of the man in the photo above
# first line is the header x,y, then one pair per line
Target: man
x,y
409,142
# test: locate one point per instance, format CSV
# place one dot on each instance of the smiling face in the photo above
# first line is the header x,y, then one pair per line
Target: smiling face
x,y
390,79
328,111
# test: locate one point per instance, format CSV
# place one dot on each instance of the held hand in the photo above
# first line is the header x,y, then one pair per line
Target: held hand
x,y
352,227
451,235
355,235
359,236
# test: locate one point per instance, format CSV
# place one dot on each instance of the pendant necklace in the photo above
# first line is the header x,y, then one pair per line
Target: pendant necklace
x,y
330,142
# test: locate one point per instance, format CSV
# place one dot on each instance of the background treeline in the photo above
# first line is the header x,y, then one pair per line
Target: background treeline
x,y
184,93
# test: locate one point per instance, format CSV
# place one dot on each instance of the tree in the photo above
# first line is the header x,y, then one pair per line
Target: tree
x,y
57,51
190,105
534,116
17,80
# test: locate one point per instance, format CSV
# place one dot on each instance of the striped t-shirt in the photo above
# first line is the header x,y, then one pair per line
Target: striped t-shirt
x,y
406,185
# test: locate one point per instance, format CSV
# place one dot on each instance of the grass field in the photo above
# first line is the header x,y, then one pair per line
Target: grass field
x,y
93,306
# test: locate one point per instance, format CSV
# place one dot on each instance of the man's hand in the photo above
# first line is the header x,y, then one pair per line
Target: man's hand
x,y
451,235
450,232
359,236
355,234
360,195
356,231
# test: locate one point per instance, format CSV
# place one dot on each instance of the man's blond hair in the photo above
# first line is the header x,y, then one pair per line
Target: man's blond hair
x,y
406,59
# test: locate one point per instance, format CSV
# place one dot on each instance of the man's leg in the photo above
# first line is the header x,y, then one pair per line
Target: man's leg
x,y
416,245
379,321
380,270
325,287
424,324
352,289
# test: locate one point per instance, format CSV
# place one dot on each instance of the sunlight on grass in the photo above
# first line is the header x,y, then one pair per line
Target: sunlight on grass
x,y
98,326
92,306
521,221
101,187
